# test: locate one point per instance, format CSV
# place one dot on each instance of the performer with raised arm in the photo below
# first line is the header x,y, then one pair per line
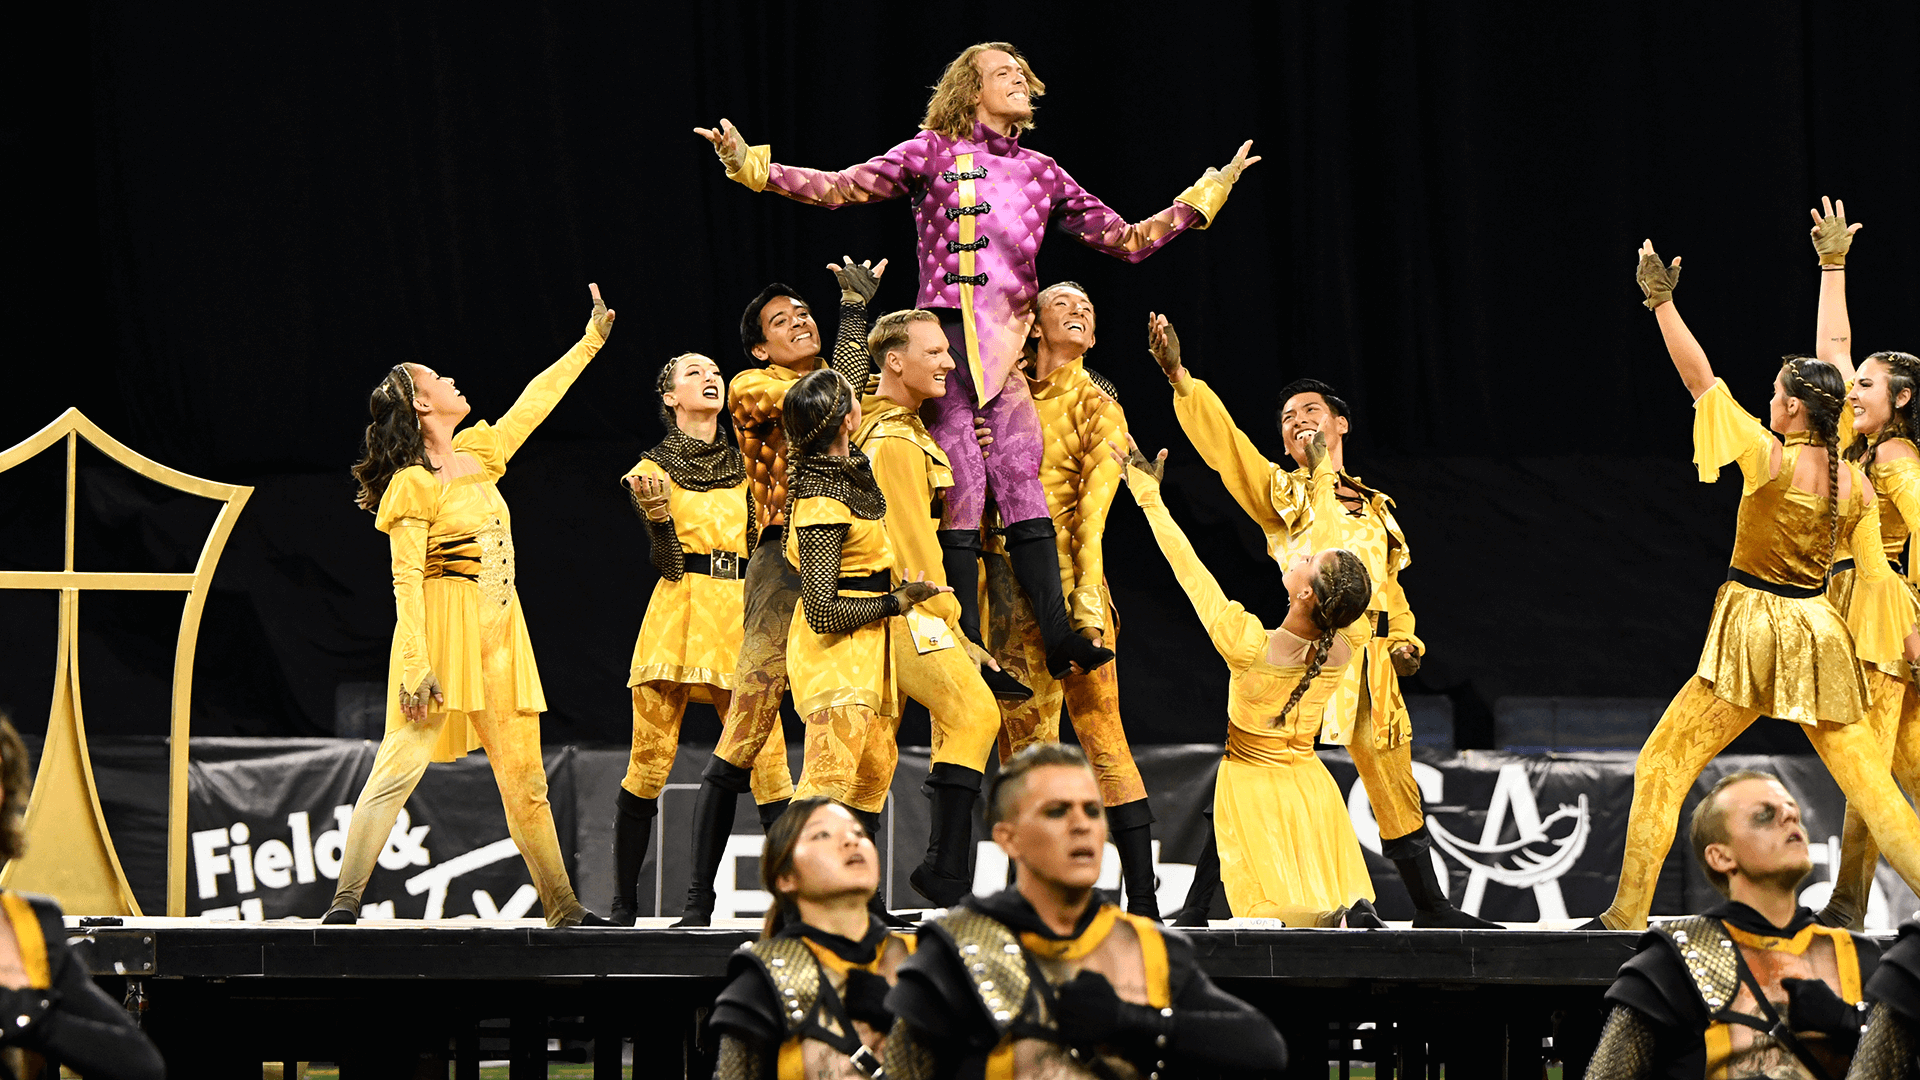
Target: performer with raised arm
x,y
1044,980
1303,509
1080,416
982,203
462,673
809,998
1775,646
778,333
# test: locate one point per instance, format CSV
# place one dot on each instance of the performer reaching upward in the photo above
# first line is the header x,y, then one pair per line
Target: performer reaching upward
x,y
778,332
1307,509
981,204
462,673
1775,647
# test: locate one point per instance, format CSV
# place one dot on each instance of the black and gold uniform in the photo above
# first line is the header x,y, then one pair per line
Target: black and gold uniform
x,y
809,1004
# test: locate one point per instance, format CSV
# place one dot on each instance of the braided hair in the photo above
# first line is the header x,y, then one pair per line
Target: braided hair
x,y
1340,593
393,441
663,385
811,412
1818,386
1903,422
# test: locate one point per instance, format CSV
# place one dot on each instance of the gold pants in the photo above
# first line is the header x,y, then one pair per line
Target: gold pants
x,y
1387,773
657,710
751,721
1092,698
513,749
850,756
1894,716
1694,729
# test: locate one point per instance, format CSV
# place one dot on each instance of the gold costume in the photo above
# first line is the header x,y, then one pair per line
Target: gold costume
x,y
1300,514
1081,423
1775,646
458,617
1287,847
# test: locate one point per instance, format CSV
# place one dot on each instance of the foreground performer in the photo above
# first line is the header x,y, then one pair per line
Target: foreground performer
x,y
981,206
1776,646
1301,510
1072,987
1753,987
1080,416
462,673
1885,407
1286,843
778,333
1890,1046
809,998
691,491
936,664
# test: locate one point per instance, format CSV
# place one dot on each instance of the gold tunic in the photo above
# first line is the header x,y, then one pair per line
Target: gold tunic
x,y
1287,846
913,472
458,614
1079,420
692,629
1789,657
854,668
1897,480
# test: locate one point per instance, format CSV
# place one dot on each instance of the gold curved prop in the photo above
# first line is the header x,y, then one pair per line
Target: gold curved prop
x,y
70,854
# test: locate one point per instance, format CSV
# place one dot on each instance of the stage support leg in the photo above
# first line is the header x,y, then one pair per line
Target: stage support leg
x,y
527,1045
607,1045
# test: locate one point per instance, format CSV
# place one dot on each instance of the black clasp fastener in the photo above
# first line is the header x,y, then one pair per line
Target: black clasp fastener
x,y
955,245
977,173
869,1065
955,213
966,279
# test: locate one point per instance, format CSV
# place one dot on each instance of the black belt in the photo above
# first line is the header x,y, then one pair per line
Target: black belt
x,y
721,565
1380,625
878,581
1844,565
1791,592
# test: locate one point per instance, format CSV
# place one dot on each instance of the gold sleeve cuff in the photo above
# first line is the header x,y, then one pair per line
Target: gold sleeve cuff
x,y
1183,385
1207,195
754,170
1834,258
1088,608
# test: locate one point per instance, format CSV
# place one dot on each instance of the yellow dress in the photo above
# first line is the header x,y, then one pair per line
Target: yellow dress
x,y
692,629
826,671
1897,482
453,571
1287,847
1792,657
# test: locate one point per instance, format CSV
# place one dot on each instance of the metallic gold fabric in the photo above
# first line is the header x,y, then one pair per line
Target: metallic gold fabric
x,y
692,628
1780,656
848,748
1081,423
1626,1048
1887,1049
854,667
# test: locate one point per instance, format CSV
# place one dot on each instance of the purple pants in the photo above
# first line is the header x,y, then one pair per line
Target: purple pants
x,y
1012,470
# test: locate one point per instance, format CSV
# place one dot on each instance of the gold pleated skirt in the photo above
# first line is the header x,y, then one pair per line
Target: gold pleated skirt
x,y
1784,657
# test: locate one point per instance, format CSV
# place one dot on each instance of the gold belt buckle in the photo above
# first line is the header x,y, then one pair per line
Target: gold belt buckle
x,y
726,565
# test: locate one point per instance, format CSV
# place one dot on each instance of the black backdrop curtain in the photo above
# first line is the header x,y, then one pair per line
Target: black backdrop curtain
x,y
233,220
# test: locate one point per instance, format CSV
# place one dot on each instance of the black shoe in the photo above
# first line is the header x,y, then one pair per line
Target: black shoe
x,y
1361,915
720,786
1189,917
940,890
1074,649
1431,907
633,819
692,918
340,916
1451,918
1004,686
942,877
1130,825
1035,556
588,918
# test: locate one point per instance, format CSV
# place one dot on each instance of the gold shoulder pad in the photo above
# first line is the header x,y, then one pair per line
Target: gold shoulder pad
x,y
1709,955
996,966
795,973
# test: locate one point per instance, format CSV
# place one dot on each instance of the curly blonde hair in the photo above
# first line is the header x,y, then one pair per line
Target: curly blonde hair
x,y
950,109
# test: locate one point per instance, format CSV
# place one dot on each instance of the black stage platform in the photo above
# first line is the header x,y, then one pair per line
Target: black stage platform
x,y
405,998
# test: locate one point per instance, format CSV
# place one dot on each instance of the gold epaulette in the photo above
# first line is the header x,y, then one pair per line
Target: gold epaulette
x,y
995,964
794,972
1709,955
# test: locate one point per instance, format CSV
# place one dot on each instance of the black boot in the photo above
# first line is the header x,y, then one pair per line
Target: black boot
x,y
1130,826
720,786
1431,908
943,877
1206,883
1036,564
878,905
960,558
770,812
632,829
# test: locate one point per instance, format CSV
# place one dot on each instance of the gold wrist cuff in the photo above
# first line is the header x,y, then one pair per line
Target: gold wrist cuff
x,y
1207,195
754,170
1834,258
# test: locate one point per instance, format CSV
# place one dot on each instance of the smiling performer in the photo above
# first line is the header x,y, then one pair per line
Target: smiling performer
x,y
1752,987
777,331
809,998
1776,646
1081,415
462,673
692,494
1042,980
1306,509
936,665
981,206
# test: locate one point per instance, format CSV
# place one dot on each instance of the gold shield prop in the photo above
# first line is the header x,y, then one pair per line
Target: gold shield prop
x,y
70,854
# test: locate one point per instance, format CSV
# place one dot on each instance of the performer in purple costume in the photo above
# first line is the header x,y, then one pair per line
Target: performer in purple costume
x,y
982,203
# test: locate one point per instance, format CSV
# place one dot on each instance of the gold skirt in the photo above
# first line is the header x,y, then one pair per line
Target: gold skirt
x,y
1286,840
1784,657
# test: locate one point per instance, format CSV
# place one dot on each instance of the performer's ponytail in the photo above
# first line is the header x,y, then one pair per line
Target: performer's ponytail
x,y
1818,386
393,441
1340,594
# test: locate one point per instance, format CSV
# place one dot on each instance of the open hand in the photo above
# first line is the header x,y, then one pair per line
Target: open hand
x,y
1164,344
602,317
858,281
651,493
727,143
1831,234
1240,164
414,706
1134,459
1656,279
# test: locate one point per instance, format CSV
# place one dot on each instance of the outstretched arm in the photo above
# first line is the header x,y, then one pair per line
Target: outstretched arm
x,y
885,177
859,283
1832,238
1657,281
1236,634
1085,218
548,387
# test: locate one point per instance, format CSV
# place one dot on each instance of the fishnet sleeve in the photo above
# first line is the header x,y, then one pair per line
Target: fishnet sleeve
x,y
668,557
1887,1049
1626,1047
907,1057
740,1060
753,534
827,611
850,345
